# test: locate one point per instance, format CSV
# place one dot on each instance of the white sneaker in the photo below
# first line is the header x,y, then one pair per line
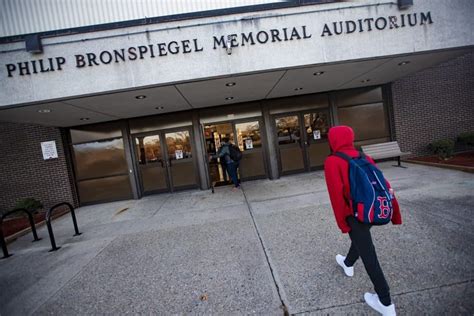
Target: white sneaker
x,y
374,302
349,271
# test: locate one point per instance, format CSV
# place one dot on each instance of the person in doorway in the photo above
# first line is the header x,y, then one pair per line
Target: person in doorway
x,y
336,170
224,169
231,165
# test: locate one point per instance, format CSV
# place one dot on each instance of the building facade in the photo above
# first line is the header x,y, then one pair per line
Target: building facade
x,y
121,110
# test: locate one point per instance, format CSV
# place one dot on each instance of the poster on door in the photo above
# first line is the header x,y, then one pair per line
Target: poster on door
x,y
317,134
248,143
179,154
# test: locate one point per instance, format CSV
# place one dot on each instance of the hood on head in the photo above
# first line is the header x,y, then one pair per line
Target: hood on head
x,y
341,137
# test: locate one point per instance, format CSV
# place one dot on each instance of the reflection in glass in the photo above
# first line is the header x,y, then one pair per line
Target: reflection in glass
x,y
250,143
288,129
148,149
151,165
316,125
248,135
100,159
359,96
182,169
179,145
89,133
290,145
105,189
368,121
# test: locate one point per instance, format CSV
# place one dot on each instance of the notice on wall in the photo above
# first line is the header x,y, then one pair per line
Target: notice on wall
x,y
317,134
248,143
179,154
49,150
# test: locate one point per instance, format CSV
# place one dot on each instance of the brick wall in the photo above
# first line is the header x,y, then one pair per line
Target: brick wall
x,y
436,103
24,173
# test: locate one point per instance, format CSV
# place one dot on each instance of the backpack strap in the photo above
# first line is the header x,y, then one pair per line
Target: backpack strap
x,y
347,157
343,156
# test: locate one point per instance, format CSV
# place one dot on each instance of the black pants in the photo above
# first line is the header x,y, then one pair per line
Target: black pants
x,y
363,246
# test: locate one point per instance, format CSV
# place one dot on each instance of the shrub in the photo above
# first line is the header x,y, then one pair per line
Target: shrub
x,y
30,204
466,138
443,148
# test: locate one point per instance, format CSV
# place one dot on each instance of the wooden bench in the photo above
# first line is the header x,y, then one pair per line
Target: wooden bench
x,y
385,150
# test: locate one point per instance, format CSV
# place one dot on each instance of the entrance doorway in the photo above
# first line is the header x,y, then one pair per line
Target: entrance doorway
x,y
302,140
246,134
165,161
214,134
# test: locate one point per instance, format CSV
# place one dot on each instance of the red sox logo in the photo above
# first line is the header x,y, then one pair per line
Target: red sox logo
x,y
384,207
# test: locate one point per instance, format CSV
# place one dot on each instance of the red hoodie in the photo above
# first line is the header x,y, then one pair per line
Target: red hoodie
x,y
336,171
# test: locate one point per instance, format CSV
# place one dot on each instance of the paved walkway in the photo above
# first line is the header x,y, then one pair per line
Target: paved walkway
x,y
249,252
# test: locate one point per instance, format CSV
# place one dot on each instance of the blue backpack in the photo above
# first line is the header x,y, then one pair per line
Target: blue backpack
x,y
370,196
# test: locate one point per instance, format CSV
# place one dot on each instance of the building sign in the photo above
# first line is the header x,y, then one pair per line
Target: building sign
x,y
226,42
49,150
380,23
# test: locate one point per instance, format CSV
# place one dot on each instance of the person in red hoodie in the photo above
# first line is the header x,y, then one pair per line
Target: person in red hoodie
x,y
336,171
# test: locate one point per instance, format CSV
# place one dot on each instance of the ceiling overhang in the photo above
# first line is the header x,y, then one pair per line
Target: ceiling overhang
x,y
225,90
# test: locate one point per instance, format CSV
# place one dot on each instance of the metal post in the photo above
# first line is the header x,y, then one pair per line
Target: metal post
x,y
33,227
74,221
51,236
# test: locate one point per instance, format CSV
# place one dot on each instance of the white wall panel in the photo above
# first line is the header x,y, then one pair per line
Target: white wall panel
x,y
32,16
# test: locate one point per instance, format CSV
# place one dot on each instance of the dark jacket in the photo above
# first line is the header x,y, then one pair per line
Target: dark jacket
x,y
224,153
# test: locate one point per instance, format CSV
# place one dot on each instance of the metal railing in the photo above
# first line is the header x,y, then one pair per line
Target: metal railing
x,y
50,228
32,225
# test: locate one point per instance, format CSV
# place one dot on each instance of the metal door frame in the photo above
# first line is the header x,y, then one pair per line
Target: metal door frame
x,y
234,130
277,146
164,152
137,164
307,141
304,139
189,129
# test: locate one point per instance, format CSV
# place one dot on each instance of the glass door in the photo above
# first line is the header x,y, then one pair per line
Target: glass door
x,y
214,134
249,140
180,162
290,144
302,140
316,125
165,161
151,165
246,134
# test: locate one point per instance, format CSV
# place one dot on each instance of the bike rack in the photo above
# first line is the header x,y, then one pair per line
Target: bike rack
x,y
32,225
50,228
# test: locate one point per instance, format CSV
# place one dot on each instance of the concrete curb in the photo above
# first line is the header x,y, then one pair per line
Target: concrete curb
x,y
11,238
439,165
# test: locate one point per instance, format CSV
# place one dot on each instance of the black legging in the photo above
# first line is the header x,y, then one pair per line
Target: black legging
x,y
363,246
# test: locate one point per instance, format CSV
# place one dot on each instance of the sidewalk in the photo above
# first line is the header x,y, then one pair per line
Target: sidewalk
x,y
248,252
